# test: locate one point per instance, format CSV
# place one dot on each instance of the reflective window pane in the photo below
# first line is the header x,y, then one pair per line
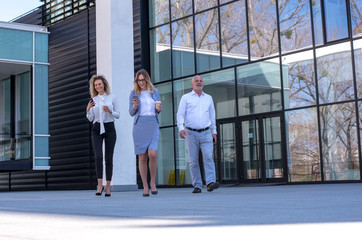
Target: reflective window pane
x,y
273,147
180,8
234,40
336,19
295,24
160,53
317,22
303,152
228,161
221,86
183,55
158,12
334,71
263,28
16,44
180,87
41,47
165,157
207,41
41,147
339,142
41,99
204,4
259,87
182,163
357,45
224,1
5,134
23,116
356,15
165,116
298,71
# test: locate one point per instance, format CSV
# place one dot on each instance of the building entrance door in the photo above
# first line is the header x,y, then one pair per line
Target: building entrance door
x,y
251,149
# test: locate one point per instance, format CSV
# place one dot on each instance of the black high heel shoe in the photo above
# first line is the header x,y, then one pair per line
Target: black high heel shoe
x,y
154,192
100,193
146,194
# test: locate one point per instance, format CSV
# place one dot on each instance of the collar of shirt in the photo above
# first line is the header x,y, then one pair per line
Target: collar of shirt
x,y
194,93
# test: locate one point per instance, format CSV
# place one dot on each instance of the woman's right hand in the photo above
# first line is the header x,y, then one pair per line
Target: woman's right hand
x,y
91,104
136,101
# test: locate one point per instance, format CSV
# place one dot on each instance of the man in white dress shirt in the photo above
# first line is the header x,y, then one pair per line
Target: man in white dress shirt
x,y
195,118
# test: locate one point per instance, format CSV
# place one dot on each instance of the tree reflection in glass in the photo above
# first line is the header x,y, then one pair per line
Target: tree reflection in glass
x,y
301,80
183,47
158,12
263,28
356,15
334,70
303,145
357,46
317,22
204,4
180,8
160,53
295,24
339,142
234,40
207,40
335,13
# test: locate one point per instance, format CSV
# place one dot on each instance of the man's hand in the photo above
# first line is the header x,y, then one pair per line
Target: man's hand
x,y
214,138
182,134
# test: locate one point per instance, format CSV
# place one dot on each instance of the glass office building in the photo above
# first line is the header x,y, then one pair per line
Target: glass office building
x,y
24,131
285,77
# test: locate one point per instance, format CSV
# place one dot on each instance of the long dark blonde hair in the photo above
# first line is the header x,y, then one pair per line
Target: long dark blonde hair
x,y
92,91
149,85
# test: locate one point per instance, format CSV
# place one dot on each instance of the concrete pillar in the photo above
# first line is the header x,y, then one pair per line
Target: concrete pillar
x,y
114,26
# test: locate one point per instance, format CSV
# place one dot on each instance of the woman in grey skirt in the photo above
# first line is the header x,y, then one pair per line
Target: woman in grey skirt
x,y
145,105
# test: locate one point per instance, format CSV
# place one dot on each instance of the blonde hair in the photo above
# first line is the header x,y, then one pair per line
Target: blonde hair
x,y
92,91
149,85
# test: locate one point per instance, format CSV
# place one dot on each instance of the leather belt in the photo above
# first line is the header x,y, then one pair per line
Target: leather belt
x,y
198,130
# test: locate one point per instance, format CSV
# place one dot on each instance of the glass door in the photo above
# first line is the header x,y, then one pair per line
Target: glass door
x,y
262,148
250,149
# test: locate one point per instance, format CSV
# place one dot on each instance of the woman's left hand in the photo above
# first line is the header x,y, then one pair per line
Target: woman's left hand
x,y
106,109
158,106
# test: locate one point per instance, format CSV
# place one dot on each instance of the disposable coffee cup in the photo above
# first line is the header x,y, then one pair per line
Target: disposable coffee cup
x,y
158,104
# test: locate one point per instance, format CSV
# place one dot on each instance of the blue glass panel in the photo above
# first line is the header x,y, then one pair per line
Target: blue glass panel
x,y
41,147
16,45
41,99
41,47
336,19
317,22
41,162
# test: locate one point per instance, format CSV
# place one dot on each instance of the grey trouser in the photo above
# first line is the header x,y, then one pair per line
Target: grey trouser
x,y
196,141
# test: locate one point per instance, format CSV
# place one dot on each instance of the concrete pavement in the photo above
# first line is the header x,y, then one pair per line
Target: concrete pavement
x,y
271,212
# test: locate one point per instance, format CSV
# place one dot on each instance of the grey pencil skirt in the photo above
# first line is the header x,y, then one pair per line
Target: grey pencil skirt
x,y
146,134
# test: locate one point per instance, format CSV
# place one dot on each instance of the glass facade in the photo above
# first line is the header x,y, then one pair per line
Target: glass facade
x,y
24,135
286,82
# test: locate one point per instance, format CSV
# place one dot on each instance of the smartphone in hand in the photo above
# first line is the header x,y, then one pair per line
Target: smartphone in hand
x,y
135,97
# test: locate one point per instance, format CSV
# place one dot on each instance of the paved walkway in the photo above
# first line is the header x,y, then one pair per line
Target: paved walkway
x,y
323,211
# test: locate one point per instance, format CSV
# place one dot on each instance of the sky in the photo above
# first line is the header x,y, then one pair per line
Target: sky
x,y
11,9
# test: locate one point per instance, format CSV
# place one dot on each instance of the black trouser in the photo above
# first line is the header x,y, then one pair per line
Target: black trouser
x,y
110,140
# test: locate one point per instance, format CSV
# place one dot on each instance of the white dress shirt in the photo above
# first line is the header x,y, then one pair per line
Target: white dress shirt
x,y
96,113
196,112
148,107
